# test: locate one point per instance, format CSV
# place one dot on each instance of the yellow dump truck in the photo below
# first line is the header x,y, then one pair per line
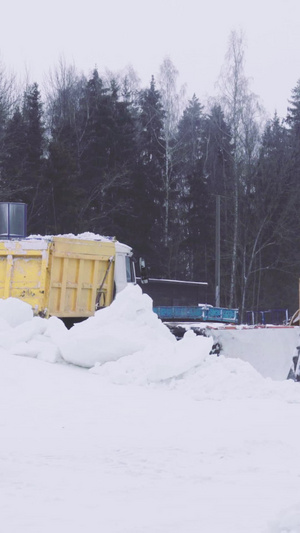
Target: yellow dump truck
x,y
64,276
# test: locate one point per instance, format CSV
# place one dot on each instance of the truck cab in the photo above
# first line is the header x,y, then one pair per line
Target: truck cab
x,y
124,267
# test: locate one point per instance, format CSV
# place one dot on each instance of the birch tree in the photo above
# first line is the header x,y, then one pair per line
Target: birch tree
x,y
241,107
171,100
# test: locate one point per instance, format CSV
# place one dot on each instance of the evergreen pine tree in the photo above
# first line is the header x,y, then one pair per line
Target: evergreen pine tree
x,y
218,171
107,159
293,117
36,195
194,191
275,205
63,164
14,159
148,195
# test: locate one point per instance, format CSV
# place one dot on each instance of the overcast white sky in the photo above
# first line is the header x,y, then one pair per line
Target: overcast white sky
x,y
193,33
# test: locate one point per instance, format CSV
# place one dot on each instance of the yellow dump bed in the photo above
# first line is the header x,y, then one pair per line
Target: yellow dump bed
x,y
58,276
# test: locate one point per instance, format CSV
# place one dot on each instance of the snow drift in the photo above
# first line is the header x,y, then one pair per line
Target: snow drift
x,y
127,326
127,343
81,453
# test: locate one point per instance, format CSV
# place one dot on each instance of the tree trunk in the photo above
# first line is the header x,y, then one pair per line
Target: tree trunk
x,y
235,242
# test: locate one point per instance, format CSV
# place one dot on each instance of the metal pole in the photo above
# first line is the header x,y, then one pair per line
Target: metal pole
x,y
217,265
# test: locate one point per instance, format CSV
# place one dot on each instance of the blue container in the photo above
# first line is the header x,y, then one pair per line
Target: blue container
x,y
199,313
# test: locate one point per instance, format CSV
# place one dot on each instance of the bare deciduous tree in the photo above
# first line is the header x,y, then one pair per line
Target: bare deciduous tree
x,y
172,103
242,111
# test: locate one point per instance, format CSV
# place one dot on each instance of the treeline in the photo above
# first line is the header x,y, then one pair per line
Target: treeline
x,y
101,154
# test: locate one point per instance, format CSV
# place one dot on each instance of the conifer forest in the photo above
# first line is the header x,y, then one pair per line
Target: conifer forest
x,y
100,153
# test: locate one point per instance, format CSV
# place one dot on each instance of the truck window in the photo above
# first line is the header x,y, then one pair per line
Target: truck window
x,y
129,270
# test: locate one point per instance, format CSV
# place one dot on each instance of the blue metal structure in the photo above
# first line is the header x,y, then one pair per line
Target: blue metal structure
x,y
200,313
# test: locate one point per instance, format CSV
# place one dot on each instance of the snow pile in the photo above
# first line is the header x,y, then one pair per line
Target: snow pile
x,y
77,447
159,361
127,326
126,343
187,366
23,334
14,312
38,338
219,378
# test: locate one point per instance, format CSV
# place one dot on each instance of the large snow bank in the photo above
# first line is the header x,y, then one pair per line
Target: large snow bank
x,y
158,362
77,447
188,366
23,334
127,326
127,343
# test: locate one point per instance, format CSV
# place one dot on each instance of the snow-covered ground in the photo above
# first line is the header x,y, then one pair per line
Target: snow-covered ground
x,y
115,426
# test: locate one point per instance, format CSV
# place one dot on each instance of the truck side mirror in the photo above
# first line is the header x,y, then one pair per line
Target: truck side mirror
x,y
143,270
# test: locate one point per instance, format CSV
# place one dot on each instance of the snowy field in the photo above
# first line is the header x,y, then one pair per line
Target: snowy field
x,y
116,427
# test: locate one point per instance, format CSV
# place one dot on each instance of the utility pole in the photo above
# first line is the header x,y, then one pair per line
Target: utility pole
x,y
217,260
